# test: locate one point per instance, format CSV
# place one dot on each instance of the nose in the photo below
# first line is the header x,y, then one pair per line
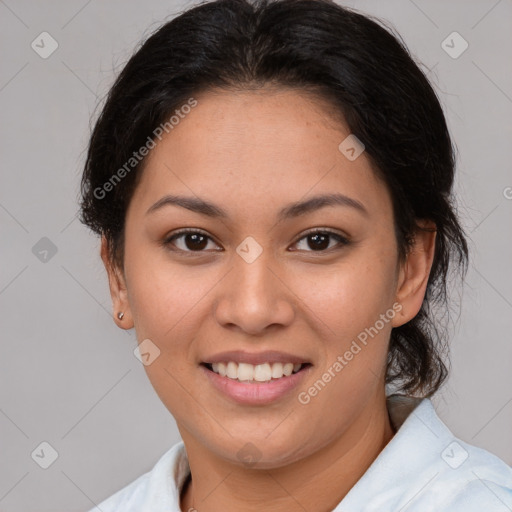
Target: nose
x,y
254,297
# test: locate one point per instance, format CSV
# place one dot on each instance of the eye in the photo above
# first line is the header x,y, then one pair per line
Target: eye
x,y
320,240
188,240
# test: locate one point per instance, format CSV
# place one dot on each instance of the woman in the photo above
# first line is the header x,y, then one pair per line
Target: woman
x,y
272,182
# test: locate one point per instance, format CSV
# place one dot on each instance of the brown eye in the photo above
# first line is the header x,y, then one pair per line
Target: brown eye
x,y
189,241
320,241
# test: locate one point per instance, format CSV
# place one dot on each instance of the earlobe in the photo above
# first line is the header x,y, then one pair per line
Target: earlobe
x,y
414,273
118,291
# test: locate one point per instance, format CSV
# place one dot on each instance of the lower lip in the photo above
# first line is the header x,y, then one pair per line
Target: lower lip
x,y
255,393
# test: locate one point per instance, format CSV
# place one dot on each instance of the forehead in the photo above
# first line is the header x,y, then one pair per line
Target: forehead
x,y
246,148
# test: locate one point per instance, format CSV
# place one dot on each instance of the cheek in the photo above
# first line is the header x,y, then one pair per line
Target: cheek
x,y
169,314
349,304
168,304
350,296
163,295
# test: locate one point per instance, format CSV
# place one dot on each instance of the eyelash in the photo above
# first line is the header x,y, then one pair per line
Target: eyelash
x,y
342,241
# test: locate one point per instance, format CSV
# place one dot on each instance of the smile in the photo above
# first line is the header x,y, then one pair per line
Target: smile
x,y
245,372
255,378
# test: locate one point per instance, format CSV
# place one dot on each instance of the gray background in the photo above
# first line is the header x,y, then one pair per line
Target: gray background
x,y
68,374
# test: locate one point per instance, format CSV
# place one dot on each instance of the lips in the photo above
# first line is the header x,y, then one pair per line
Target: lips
x,y
255,378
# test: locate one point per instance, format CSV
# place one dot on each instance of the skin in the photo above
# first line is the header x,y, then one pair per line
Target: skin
x,y
252,153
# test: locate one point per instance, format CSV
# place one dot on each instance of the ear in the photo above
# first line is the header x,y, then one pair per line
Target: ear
x,y
414,273
118,290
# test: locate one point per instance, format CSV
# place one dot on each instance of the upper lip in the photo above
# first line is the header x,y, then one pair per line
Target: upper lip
x,y
254,358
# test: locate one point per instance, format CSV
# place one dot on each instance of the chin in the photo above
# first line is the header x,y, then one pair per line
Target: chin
x,y
259,452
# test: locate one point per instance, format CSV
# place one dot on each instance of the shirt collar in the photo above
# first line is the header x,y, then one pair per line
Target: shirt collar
x,y
420,438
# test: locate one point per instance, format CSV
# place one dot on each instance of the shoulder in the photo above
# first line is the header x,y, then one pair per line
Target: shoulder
x,y
453,475
127,498
473,479
425,468
155,485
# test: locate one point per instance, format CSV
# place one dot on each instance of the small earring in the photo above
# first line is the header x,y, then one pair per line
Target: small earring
x,y
120,315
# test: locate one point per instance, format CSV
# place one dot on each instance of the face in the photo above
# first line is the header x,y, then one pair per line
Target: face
x,y
271,278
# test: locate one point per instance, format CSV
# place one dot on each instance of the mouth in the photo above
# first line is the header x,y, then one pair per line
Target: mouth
x,y
255,373
255,379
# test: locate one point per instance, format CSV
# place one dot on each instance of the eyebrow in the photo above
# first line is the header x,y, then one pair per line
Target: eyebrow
x,y
290,211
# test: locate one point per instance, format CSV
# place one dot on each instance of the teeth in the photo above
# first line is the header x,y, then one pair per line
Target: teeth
x,y
232,370
260,373
222,369
288,369
277,370
245,371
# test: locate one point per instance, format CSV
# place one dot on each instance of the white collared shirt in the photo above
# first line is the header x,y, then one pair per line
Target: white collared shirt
x,y
424,468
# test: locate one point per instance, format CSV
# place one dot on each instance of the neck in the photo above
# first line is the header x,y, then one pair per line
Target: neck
x,y
218,484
